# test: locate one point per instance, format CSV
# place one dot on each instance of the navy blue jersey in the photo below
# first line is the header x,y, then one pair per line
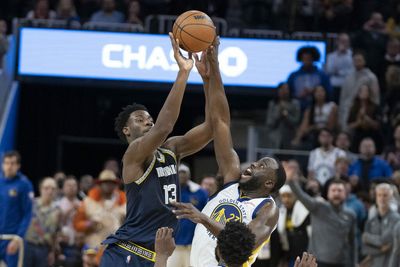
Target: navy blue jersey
x,y
148,201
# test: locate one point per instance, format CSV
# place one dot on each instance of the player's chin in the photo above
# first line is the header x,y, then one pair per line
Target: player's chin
x,y
244,178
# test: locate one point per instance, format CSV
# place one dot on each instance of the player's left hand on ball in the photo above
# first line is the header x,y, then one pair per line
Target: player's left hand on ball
x,y
165,243
202,65
183,63
187,211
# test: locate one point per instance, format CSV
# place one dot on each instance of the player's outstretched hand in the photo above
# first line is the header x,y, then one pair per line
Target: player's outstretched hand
x,y
185,64
307,260
202,65
165,243
187,211
292,172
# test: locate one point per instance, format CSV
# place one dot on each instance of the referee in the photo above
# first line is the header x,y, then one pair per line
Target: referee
x,y
16,194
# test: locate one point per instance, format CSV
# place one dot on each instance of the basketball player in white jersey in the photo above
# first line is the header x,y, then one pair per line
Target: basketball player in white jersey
x,y
243,194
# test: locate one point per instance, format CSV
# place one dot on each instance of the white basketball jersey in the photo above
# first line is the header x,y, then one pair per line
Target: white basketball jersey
x,y
226,206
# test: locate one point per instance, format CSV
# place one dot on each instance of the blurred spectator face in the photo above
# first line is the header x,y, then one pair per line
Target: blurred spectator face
x,y
112,165
359,61
70,188
107,188
86,183
210,185
288,200
184,177
3,27
60,178
108,5
10,166
343,141
42,9
343,42
393,47
376,21
283,92
363,92
65,8
48,189
336,194
313,188
307,60
325,139
319,94
89,260
367,148
384,195
342,167
134,8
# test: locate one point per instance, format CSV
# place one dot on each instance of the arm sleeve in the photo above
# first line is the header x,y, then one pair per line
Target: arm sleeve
x,y
309,202
26,208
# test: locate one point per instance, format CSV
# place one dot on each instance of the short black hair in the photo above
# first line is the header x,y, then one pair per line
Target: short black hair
x,y
236,243
311,50
11,154
324,129
123,117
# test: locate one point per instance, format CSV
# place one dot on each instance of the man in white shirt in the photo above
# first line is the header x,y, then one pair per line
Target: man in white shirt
x,y
321,163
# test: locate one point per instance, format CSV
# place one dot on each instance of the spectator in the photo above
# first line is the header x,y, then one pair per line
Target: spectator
x,y
339,64
190,193
378,234
283,116
337,15
293,225
41,11
354,204
392,153
210,184
395,254
343,142
134,13
102,212
372,40
393,95
309,76
360,76
369,167
321,114
392,56
89,256
112,164
341,168
333,226
4,41
16,194
306,14
40,242
60,177
69,205
396,179
321,163
364,119
108,13
85,184
66,10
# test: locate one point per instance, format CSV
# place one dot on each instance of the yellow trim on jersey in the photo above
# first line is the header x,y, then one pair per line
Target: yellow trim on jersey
x,y
137,250
169,152
254,255
149,169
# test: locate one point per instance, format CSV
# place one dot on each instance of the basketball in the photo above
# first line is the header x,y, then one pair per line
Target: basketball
x,y
194,30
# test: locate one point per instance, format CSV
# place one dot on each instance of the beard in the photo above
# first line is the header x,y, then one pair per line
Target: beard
x,y
252,184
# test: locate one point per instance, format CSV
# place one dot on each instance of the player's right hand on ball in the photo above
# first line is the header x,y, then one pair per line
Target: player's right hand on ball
x,y
185,64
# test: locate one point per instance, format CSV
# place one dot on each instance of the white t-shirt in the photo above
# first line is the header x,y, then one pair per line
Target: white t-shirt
x,y
322,163
226,206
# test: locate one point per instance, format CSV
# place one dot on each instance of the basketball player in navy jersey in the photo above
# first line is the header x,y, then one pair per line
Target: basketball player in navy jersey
x,y
244,194
150,171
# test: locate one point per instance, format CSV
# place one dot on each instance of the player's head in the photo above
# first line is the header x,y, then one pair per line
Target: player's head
x,y
235,244
264,176
133,122
11,164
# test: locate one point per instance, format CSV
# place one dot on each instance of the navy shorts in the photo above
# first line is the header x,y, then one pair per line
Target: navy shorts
x,y
116,256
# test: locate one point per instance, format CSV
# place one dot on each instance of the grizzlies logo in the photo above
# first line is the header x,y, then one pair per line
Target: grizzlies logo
x,y
226,212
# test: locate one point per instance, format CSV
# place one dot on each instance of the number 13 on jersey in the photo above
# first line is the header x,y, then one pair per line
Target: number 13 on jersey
x,y
170,193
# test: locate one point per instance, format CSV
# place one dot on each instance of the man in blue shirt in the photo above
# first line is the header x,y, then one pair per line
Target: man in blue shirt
x,y
369,167
16,194
190,193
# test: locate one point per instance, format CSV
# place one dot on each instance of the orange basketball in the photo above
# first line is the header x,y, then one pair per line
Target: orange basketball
x,y
195,31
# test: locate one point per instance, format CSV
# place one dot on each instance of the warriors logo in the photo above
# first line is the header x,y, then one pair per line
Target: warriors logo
x,y
227,212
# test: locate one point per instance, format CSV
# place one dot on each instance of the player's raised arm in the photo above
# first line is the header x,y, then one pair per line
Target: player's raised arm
x,y
227,159
143,147
198,137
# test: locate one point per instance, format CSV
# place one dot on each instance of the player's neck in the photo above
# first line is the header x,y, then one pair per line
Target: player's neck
x,y
252,194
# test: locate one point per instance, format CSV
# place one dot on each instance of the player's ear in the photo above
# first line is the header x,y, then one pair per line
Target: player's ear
x,y
126,131
270,183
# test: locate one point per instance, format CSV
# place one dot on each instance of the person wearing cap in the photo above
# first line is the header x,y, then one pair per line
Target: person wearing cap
x,y
190,193
103,211
293,225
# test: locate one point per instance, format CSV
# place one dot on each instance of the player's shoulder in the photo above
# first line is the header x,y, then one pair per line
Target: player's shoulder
x,y
228,188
